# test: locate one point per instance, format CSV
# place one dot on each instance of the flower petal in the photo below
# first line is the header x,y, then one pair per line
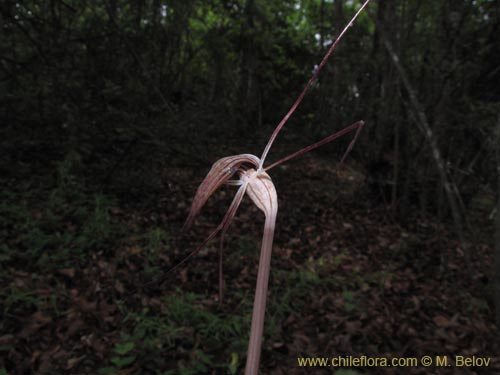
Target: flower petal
x,y
222,170
261,191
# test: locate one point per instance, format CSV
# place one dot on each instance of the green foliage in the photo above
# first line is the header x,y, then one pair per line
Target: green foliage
x,y
350,300
243,246
15,299
156,241
182,322
60,228
122,358
100,99
151,70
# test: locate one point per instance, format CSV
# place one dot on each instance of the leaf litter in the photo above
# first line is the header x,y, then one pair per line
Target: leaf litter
x,y
348,282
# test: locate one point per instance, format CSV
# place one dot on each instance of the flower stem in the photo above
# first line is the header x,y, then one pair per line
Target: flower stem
x,y
259,305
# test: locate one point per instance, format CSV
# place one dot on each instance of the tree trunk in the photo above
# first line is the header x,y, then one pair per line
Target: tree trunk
x,y
424,126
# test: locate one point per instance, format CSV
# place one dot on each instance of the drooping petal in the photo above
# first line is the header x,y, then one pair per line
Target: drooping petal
x,y
222,170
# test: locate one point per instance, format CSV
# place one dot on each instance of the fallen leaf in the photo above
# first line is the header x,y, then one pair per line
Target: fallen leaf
x,y
69,272
441,321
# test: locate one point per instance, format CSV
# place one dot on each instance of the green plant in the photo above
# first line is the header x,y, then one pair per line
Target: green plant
x,y
350,301
181,324
15,298
155,242
123,357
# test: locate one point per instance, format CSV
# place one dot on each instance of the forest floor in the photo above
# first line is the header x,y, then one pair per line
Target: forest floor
x,y
85,289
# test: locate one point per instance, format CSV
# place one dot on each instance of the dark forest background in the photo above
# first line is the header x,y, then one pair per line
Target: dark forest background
x,y
113,111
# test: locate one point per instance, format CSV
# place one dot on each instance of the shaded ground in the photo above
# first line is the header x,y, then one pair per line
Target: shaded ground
x,y
85,290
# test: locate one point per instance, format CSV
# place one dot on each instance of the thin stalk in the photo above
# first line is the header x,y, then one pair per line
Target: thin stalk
x,y
357,125
259,304
307,87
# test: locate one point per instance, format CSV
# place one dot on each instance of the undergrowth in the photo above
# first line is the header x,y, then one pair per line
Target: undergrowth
x,y
74,262
56,234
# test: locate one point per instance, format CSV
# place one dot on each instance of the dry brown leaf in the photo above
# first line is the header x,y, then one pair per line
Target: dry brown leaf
x,y
441,321
69,272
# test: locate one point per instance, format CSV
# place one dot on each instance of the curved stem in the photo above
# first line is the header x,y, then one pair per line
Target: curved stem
x,y
259,305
